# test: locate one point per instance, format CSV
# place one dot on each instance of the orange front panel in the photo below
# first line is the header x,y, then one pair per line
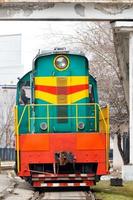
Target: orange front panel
x,y
92,141
34,142
41,148
62,142
48,157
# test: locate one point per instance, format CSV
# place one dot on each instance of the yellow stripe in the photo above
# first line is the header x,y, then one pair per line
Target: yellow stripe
x,y
52,81
77,96
51,98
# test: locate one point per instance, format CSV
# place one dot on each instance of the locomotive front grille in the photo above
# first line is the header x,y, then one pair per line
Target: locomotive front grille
x,y
62,110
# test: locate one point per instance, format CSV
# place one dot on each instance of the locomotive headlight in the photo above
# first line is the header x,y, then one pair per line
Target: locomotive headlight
x,y
81,125
61,62
43,126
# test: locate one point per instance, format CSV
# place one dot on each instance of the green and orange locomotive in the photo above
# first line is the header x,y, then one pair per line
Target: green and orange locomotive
x,y
62,134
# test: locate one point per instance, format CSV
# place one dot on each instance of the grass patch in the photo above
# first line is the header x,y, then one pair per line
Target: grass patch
x,y
104,191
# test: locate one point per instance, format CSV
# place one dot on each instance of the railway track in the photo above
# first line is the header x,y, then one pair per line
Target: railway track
x,y
18,189
63,196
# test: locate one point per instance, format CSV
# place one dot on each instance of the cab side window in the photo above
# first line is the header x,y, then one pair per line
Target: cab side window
x,y
24,93
91,93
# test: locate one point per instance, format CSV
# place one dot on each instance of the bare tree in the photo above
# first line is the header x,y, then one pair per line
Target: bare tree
x,y
98,40
95,39
7,100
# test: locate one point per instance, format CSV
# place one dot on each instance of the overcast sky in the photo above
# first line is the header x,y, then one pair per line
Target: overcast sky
x,y
36,35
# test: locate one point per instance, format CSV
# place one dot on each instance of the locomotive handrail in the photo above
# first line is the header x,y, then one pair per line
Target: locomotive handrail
x,y
61,117
48,117
62,104
106,126
17,133
76,117
107,134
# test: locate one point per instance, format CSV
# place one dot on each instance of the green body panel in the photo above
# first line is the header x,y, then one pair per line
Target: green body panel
x,y
44,67
24,123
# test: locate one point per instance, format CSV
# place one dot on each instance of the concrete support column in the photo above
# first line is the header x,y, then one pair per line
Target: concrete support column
x,y
123,37
127,170
131,93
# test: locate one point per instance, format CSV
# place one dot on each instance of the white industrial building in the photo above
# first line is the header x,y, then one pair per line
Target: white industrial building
x,y
10,69
10,59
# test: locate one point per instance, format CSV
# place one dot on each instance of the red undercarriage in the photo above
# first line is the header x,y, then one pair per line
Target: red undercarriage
x,y
41,149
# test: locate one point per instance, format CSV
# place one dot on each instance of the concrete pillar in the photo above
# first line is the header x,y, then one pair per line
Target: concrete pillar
x,y
131,93
127,170
117,159
123,35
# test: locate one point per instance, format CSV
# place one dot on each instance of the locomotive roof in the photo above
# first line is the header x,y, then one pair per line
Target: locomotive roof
x,y
58,51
